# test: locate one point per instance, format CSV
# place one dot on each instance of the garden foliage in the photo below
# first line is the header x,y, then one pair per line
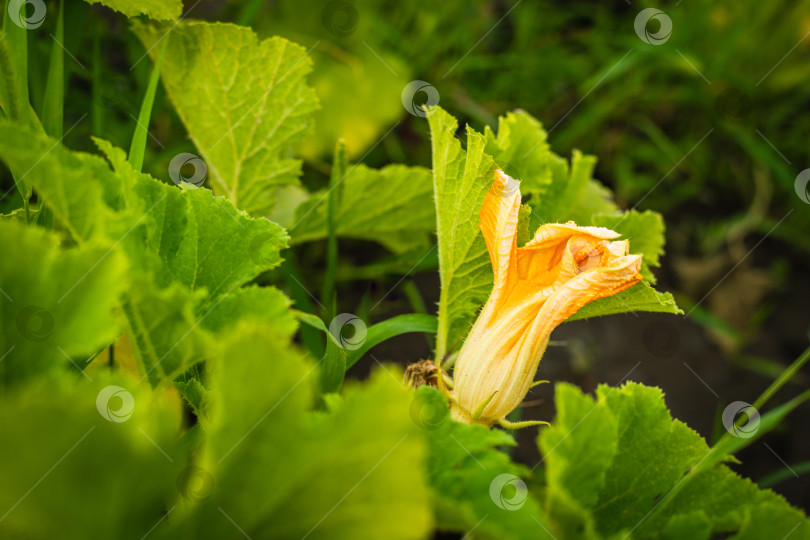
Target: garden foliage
x,y
212,420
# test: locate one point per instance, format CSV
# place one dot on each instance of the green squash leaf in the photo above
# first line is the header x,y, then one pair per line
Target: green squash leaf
x,y
555,191
67,464
187,250
163,329
324,477
460,182
476,487
392,206
360,98
248,105
395,326
202,241
57,304
645,231
160,10
612,461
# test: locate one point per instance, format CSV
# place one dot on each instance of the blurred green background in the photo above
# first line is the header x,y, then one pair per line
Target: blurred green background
x,y
709,127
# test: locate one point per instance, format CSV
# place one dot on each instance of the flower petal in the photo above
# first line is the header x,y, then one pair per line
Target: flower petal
x,y
536,287
499,222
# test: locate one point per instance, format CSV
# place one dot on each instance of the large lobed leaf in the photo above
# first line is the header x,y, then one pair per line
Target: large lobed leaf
x,y
392,206
611,462
463,463
156,9
69,472
187,250
201,241
56,304
460,182
283,472
248,104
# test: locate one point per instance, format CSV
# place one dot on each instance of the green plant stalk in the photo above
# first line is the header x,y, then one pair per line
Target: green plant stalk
x,y
309,336
785,377
53,106
248,13
97,107
333,364
14,61
137,149
53,103
386,266
313,321
14,65
36,76
339,166
401,324
7,96
722,448
418,305
332,368
441,331
784,474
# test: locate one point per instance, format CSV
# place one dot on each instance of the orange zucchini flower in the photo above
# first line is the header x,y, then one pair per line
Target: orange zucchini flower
x,y
537,287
